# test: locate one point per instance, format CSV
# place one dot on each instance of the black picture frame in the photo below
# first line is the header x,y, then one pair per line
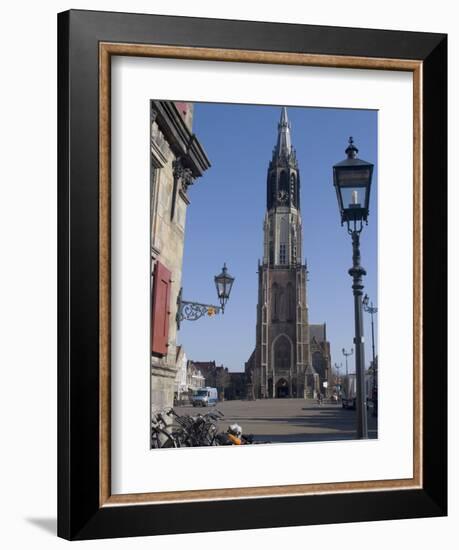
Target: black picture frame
x,y
80,515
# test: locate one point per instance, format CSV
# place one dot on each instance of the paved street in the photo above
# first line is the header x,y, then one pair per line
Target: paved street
x,y
289,420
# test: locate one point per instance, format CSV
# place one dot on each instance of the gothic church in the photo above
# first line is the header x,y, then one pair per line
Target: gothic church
x,y
288,360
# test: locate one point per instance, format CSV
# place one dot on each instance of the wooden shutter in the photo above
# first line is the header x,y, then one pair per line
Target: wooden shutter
x,y
160,310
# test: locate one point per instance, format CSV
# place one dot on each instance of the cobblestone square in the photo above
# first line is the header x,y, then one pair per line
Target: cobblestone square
x,y
289,420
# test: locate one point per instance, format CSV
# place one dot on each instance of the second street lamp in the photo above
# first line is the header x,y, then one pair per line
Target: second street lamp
x,y
371,309
352,181
338,382
347,354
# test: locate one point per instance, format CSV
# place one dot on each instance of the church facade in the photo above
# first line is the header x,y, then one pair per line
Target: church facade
x,y
281,364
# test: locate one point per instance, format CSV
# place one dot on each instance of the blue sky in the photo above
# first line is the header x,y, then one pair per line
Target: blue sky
x,y
225,224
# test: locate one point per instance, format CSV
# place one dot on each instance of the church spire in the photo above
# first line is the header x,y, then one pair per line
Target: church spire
x,y
284,140
283,183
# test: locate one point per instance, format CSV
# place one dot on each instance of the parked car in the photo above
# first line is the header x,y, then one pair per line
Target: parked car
x,y
348,402
351,403
205,397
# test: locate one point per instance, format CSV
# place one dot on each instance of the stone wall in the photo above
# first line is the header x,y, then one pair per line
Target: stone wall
x,y
177,159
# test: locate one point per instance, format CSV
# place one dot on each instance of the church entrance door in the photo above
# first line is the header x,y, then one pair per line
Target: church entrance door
x,y
282,388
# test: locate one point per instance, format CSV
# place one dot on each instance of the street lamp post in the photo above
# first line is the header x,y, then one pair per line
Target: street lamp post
x,y
192,311
347,354
372,310
337,368
352,181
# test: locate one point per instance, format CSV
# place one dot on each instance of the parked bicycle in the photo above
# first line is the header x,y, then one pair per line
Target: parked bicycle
x,y
170,429
199,430
162,434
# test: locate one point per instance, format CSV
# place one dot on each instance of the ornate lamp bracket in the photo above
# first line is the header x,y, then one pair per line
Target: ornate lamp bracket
x,y
192,311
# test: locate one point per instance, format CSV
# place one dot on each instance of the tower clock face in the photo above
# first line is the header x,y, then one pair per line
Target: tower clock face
x,y
282,196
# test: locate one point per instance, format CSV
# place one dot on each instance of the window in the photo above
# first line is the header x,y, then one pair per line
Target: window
x,y
283,184
271,253
293,188
294,253
282,354
282,254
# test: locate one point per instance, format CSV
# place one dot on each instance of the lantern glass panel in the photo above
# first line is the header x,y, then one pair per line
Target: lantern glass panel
x,y
221,287
354,176
353,197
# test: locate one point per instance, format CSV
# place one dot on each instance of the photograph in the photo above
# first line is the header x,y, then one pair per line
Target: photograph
x,y
264,274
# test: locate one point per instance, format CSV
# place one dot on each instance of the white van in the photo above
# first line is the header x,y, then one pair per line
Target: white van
x,y
205,397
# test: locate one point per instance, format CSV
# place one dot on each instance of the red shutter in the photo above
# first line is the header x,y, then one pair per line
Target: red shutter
x,y
160,310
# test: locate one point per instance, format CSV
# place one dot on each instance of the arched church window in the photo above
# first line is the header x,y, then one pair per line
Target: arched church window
x,y
272,190
293,245
282,254
283,183
283,238
283,234
282,353
293,188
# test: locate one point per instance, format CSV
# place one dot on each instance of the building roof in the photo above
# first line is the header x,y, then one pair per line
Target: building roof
x,y
236,374
318,332
204,364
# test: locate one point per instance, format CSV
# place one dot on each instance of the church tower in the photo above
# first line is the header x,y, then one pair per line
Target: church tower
x,y
281,363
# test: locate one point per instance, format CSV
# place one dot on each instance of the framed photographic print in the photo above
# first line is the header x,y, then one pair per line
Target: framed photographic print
x,y
252,275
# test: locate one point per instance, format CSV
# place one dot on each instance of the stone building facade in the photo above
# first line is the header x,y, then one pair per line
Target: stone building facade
x,y
321,357
281,364
215,376
194,378
177,160
237,387
181,387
